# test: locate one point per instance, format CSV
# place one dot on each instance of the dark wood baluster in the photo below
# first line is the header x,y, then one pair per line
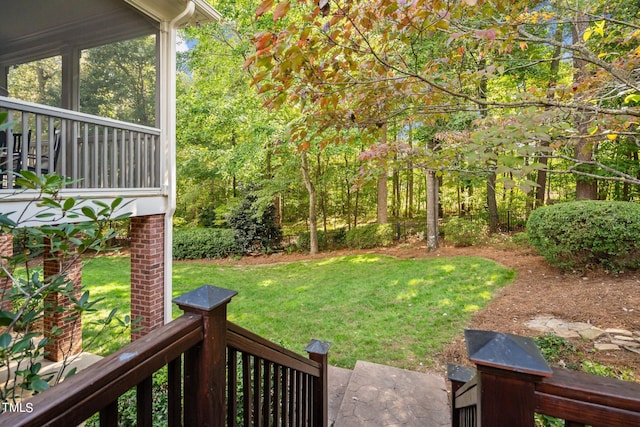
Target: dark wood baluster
x,y
232,387
246,389
144,399
286,387
292,397
174,393
305,399
257,395
266,393
277,395
300,399
109,415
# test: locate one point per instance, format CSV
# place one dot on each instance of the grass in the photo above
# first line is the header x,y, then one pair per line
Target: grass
x,y
371,307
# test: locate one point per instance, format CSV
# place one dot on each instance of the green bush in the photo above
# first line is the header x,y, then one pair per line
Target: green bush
x,y
369,236
332,239
255,225
577,235
521,239
462,232
304,241
199,243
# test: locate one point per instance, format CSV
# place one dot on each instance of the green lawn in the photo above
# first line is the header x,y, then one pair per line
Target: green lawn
x,y
371,307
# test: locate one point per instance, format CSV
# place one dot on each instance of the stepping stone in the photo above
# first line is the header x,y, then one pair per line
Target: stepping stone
x,y
615,331
622,343
591,334
380,395
605,347
578,326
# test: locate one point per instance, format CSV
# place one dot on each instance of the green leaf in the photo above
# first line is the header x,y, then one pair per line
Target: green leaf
x,y
6,317
89,213
71,372
6,221
632,98
5,340
38,385
69,204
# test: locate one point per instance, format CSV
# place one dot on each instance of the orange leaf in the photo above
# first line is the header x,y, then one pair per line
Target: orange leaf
x,y
264,7
281,10
263,41
248,62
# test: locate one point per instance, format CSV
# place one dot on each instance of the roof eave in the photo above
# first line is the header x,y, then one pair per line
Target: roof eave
x,y
166,10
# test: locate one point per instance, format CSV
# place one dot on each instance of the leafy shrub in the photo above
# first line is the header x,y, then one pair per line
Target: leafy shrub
x,y
554,348
369,236
255,225
304,241
597,368
520,239
462,232
332,239
587,233
199,243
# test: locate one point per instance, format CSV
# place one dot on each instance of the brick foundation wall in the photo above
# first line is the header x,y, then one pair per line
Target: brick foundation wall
x,y
6,250
69,340
147,272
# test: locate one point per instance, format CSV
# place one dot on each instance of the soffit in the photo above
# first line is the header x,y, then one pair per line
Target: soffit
x,y
37,29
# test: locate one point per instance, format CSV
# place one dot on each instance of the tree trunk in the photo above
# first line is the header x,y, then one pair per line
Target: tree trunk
x,y
396,191
492,206
348,186
432,210
554,68
323,192
586,188
313,221
409,202
382,217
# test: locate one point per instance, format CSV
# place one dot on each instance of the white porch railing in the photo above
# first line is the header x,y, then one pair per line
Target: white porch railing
x,y
95,152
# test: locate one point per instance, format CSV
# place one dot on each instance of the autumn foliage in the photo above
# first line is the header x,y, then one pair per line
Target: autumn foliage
x,y
354,65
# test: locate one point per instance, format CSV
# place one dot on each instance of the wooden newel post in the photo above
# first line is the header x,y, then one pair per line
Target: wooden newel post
x,y
508,368
205,365
319,352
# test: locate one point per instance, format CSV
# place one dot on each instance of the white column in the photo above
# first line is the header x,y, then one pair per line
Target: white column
x,y
71,79
167,114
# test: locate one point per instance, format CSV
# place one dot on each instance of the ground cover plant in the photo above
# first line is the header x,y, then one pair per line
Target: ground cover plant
x,y
371,307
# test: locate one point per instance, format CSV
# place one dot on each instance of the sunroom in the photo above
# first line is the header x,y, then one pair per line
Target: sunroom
x,y
105,155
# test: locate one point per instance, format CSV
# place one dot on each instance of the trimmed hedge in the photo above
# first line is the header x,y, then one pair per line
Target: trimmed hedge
x,y
463,232
369,236
199,243
577,235
332,239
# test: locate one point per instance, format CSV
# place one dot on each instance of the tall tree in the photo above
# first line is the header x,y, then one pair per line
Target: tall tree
x,y
349,58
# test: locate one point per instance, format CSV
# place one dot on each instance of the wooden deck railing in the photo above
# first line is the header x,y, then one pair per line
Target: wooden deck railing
x,y
95,152
272,386
510,386
198,348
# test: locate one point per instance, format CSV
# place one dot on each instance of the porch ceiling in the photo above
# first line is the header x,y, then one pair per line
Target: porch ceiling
x,y
39,29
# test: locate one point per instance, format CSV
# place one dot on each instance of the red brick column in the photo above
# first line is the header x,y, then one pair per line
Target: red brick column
x,y
6,250
69,340
147,272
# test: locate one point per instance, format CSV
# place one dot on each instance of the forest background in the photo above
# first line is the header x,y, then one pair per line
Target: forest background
x,y
335,114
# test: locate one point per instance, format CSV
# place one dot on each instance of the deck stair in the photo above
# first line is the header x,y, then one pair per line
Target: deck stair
x,y
375,395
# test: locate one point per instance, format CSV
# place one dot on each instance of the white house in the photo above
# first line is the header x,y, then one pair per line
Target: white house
x,y
108,158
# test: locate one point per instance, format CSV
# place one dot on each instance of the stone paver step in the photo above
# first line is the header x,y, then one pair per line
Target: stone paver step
x,y
379,395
